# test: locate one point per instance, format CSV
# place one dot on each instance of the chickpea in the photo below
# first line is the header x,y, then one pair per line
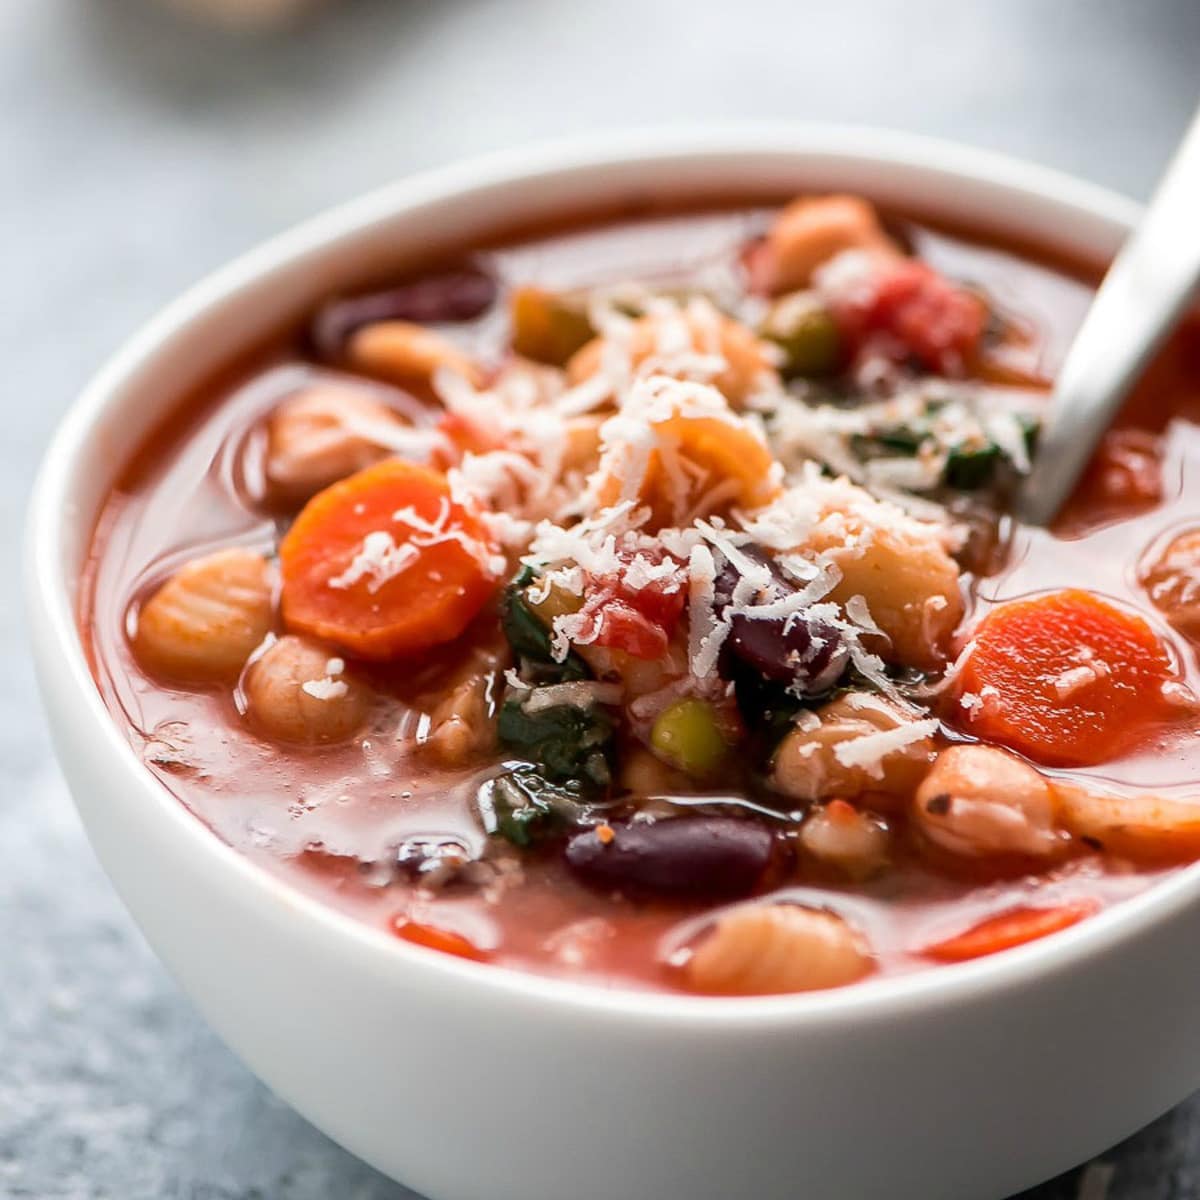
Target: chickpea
x,y
982,802
809,763
407,354
203,623
746,361
767,949
1173,582
811,230
323,434
298,691
839,834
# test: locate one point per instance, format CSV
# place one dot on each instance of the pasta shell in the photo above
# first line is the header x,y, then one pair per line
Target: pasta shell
x,y
207,619
766,949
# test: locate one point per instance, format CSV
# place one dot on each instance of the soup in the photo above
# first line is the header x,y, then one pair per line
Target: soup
x,y
641,603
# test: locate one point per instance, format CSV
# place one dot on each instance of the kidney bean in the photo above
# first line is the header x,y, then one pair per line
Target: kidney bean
x,y
458,295
803,651
683,857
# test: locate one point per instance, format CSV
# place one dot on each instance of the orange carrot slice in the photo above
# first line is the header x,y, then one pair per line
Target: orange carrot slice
x,y
385,563
434,938
1007,929
1066,678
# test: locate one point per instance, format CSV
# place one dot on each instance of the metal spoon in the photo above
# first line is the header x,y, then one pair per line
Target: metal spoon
x,y
1141,299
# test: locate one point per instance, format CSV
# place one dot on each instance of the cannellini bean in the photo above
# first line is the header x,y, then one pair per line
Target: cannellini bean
x,y
909,583
1172,580
811,230
298,691
766,949
1145,827
817,762
982,802
844,837
208,618
463,725
406,354
746,357
324,433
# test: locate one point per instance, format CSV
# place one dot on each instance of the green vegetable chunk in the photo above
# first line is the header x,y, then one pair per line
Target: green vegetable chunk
x,y
687,736
807,333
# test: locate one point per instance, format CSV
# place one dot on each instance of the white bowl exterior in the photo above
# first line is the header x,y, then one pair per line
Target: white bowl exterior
x,y
474,1083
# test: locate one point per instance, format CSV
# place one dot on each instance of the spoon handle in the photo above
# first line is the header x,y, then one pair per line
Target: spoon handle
x,y
1142,297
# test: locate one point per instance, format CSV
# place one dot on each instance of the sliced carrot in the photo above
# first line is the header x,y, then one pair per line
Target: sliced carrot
x,y
1066,678
1007,929
434,938
385,563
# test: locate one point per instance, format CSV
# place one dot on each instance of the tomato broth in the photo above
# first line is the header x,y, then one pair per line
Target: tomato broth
x,y
392,834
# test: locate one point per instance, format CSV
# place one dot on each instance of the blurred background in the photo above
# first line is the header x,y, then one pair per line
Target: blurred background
x,y
144,142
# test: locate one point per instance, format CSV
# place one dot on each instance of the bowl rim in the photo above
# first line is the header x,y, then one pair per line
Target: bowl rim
x,y
57,643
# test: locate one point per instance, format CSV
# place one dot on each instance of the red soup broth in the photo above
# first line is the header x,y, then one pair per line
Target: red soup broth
x,y
328,819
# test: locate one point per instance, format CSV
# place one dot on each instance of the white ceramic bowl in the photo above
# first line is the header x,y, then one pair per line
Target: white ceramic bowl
x,y
477,1083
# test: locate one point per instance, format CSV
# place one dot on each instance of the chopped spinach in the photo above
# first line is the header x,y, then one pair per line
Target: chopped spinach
x,y
525,808
530,639
570,744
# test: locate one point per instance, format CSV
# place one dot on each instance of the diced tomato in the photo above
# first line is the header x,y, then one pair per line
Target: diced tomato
x,y
913,309
435,938
620,626
638,620
1008,929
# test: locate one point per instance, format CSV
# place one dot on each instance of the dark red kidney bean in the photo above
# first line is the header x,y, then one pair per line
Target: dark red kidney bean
x,y
459,295
680,857
803,651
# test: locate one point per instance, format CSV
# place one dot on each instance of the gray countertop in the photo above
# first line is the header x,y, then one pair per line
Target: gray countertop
x,y
139,151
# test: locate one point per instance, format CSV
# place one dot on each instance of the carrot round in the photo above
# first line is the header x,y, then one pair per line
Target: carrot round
x,y
1008,929
1065,678
385,563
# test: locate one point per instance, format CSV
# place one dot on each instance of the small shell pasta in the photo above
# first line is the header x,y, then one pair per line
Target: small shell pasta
x,y
321,435
709,332
202,625
1145,828
407,354
767,949
811,230
298,691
